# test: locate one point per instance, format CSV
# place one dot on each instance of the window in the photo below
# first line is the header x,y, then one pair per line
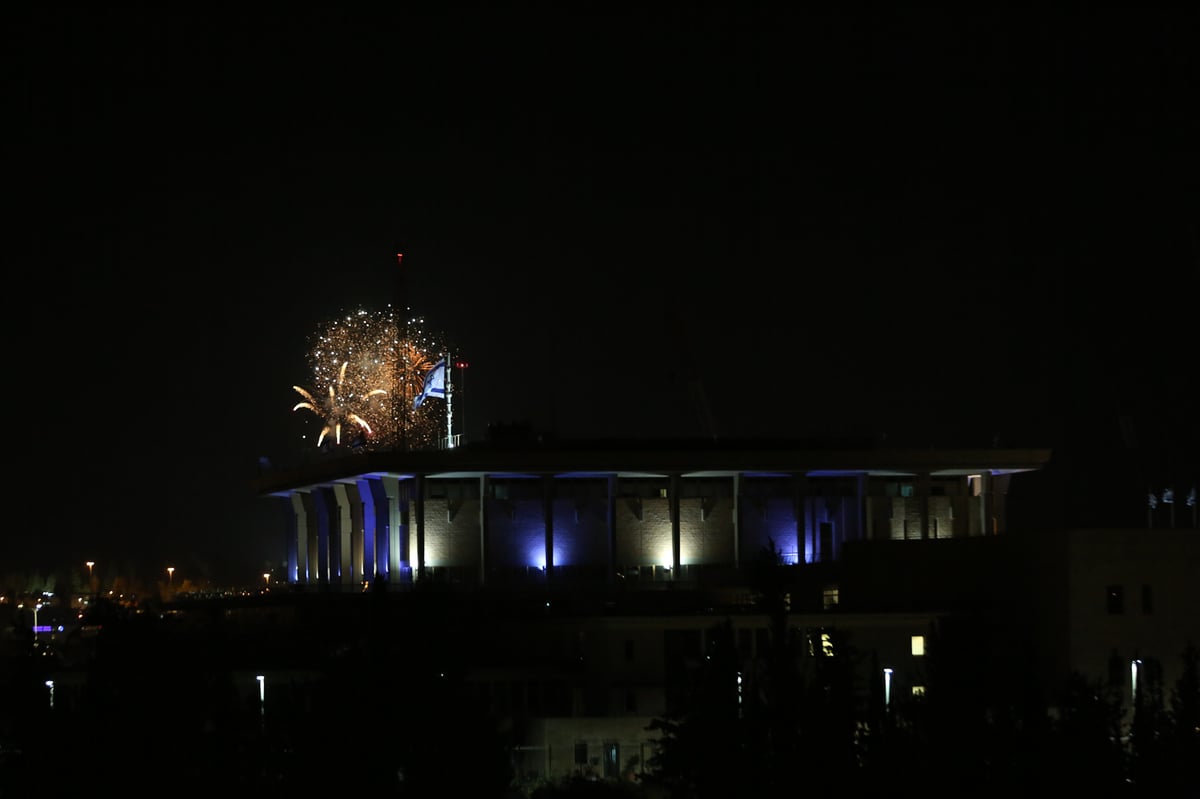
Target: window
x,y
829,597
918,645
974,484
819,643
918,690
1147,599
1115,597
581,753
906,490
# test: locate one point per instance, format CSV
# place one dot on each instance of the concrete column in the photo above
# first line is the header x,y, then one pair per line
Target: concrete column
x,y
376,554
305,542
324,508
673,501
418,501
737,520
860,508
348,535
396,540
611,523
923,503
548,521
483,531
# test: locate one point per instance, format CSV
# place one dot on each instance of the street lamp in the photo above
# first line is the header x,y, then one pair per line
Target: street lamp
x,y
267,579
36,608
170,576
90,564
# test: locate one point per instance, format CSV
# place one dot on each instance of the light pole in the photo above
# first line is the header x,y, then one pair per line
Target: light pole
x,y
90,564
267,579
262,698
170,576
36,608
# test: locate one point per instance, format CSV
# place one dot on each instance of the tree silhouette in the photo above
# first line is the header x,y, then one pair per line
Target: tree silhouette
x,y
767,727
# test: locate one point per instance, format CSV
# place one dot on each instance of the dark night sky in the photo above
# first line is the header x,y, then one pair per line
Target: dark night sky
x,y
936,225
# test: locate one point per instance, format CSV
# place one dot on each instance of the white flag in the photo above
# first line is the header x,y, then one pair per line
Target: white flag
x,y
435,383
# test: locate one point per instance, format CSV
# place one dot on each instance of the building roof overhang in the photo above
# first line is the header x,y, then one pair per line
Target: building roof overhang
x,y
648,459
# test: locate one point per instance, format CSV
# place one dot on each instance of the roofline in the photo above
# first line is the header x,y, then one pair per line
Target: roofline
x,y
580,459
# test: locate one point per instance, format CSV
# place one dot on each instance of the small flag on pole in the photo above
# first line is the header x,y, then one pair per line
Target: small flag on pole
x,y
435,384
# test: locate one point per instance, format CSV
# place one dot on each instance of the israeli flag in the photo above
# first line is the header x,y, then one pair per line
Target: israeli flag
x,y
435,383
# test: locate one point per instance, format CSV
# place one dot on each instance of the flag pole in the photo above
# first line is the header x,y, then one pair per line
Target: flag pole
x,y
449,403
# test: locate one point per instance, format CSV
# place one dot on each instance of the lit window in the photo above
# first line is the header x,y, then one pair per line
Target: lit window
x,y
918,645
830,596
826,645
918,690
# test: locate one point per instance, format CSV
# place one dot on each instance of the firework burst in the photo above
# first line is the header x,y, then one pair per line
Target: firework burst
x,y
367,367
336,411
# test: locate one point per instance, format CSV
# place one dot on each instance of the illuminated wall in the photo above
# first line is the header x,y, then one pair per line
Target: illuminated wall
x,y
517,534
643,527
452,533
580,533
766,519
347,533
706,531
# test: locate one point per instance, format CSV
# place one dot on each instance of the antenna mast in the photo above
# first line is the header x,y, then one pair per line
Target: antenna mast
x,y
398,375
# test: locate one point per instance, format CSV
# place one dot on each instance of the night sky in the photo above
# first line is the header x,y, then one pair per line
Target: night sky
x,y
949,227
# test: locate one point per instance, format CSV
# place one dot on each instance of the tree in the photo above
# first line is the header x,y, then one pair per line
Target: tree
x,y
1083,751
1183,736
768,726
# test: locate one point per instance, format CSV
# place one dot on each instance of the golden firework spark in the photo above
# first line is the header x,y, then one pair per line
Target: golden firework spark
x,y
373,365
335,412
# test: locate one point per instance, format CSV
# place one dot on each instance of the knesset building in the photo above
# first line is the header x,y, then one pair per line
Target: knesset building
x,y
632,511
634,550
